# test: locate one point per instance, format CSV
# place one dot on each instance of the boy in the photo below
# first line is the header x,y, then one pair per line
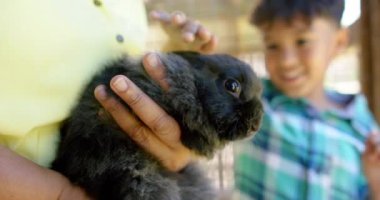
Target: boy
x,y
311,142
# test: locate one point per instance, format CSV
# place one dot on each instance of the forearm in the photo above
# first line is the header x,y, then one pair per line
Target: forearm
x,y
375,192
23,179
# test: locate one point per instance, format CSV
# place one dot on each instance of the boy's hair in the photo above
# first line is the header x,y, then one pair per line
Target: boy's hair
x,y
269,11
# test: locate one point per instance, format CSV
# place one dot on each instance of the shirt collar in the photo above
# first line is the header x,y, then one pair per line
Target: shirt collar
x,y
276,98
353,105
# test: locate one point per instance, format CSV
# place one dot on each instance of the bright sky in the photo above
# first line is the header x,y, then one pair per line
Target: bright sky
x,y
351,12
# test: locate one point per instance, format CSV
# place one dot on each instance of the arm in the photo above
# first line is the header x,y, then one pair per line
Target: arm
x,y
23,179
371,165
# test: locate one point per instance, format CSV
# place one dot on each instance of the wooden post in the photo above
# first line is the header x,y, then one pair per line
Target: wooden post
x,y
370,53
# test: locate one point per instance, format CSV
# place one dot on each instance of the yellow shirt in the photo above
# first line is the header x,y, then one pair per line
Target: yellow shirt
x,y
48,51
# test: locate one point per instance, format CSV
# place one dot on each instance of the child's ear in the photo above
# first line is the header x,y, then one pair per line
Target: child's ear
x,y
342,39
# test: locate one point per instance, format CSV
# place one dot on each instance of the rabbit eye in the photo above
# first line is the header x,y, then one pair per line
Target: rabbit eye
x,y
232,85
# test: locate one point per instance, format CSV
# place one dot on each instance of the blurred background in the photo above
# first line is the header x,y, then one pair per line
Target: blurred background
x,y
356,69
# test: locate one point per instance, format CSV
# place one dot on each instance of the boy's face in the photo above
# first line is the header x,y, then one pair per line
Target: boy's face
x,y
298,54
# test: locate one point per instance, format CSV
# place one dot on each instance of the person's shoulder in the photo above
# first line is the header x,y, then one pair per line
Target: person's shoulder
x,y
355,102
356,107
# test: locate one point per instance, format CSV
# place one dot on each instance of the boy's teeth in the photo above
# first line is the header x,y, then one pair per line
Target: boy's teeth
x,y
291,76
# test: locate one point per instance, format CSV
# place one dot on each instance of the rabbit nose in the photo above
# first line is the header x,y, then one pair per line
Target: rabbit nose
x,y
255,127
256,121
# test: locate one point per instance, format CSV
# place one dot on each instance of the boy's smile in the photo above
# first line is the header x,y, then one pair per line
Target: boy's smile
x,y
298,54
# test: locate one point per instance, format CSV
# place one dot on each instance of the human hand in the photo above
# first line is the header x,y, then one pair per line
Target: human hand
x,y
371,161
185,33
150,126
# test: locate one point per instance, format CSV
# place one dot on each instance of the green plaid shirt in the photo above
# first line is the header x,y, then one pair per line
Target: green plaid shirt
x,y
301,153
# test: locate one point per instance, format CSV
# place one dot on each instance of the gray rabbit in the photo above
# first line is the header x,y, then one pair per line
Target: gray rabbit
x,y
214,98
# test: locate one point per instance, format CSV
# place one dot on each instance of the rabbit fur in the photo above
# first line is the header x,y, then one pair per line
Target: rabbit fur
x,y
214,98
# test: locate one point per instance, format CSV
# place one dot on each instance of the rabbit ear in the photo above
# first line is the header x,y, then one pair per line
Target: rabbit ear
x,y
182,93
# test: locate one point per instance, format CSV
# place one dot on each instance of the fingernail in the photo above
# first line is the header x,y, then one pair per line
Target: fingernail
x,y
120,84
179,18
101,93
154,14
152,60
188,37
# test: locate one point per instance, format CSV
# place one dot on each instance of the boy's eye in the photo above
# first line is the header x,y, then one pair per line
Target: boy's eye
x,y
301,42
272,46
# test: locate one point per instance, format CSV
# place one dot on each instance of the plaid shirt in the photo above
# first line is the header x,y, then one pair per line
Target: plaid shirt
x,y
301,153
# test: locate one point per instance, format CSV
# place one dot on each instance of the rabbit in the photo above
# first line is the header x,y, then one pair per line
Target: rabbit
x,y
214,98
